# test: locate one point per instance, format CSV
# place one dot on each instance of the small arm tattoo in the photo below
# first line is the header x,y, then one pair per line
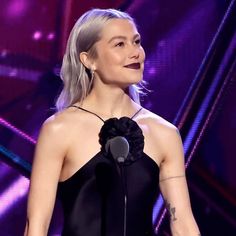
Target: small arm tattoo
x,y
171,211
172,177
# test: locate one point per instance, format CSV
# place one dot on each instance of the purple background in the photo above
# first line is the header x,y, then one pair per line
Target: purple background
x,y
176,36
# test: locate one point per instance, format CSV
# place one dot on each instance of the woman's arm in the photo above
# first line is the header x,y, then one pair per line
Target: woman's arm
x,y
174,188
49,155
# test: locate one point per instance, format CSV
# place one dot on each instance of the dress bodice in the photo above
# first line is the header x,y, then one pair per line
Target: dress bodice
x,y
93,197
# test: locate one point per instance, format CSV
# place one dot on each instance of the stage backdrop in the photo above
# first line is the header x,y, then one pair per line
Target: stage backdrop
x,y
175,35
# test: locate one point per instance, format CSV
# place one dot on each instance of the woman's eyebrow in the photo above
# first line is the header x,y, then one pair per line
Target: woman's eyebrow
x,y
117,37
122,37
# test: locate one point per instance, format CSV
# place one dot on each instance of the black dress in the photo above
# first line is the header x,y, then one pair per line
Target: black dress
x,y
93,198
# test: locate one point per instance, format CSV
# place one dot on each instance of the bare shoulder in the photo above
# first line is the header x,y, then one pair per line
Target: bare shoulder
x,y
166,135
160,135
158,125
58,126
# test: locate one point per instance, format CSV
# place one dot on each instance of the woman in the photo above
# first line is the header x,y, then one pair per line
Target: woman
x,y
101,70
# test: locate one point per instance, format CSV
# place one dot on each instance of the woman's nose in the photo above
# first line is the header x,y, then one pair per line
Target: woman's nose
x,y
134,52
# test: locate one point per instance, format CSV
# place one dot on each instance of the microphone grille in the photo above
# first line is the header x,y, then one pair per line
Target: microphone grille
x,y
119,147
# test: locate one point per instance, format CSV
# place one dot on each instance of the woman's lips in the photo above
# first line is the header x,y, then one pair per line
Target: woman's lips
x,y
134,66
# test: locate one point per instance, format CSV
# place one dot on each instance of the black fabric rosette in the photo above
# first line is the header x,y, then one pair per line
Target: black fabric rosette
x,y
127,128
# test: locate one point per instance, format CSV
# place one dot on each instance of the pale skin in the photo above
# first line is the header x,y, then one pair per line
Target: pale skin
x,y
59,154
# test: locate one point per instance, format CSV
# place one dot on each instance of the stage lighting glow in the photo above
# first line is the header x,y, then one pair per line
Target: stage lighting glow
x,y
17,8
152,71
13,73
37,35
13,194
51,36
22,74
17,131
157,208
3,53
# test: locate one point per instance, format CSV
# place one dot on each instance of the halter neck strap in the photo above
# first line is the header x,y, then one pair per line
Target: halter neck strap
x,y
88,112
99,117
136,113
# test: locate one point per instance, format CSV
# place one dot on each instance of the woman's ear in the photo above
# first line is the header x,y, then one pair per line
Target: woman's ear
x,y
84,58
87,61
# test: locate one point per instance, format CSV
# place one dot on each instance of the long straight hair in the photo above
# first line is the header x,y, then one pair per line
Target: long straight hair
x,y
76,77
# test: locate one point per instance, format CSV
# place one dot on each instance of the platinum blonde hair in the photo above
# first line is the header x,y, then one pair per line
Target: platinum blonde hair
x,y
76,78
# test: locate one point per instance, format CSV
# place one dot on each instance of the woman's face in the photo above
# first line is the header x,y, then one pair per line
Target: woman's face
x,y
120,56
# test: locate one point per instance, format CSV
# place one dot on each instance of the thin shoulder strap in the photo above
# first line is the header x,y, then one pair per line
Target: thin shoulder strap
x,y
136,113
100,116
88,112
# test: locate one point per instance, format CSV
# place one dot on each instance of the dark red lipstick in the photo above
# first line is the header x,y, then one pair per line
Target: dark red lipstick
x,y
134,66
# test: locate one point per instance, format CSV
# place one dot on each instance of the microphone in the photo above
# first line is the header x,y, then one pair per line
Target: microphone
x,y
119,148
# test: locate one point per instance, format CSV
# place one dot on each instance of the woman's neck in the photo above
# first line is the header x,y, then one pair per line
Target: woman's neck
x,y
110,103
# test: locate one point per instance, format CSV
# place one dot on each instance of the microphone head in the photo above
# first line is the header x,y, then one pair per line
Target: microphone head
x,y
119,148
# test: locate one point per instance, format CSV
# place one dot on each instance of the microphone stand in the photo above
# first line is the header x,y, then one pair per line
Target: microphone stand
x,y
119,148
124,185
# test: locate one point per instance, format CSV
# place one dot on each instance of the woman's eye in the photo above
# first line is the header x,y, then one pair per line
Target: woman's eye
x,y
138,41
120,44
